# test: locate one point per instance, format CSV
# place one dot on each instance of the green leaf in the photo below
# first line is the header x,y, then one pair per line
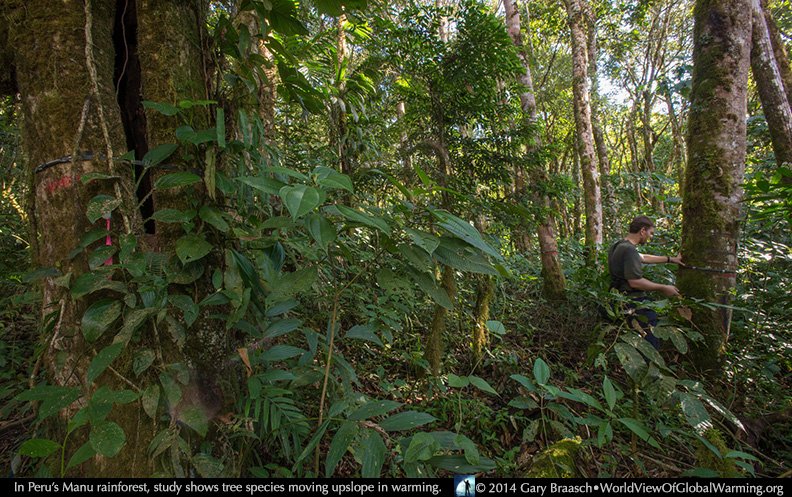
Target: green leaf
x,y
173,216
101,205
459,464
422,447
359,216
187,306
610,393
373,456
464,231
214,216
191,248
321,229
338,447
266,185
363,332
102,360
541,371
52,397
426,241
38,447
81,455
631,360
417,257
151,396
496,327
221,139
742,455
280,327
39,274
278,353
337,180
482,385
107,438
95,175
695,412
98,318
101,255
143,360
522,380
177,179
375,408
639,429
406,420
455,381
161,107
98,279
159,154
471,450
438,294
301,199
293,283
194,417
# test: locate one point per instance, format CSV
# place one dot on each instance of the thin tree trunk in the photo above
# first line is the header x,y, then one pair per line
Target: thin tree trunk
x,y
588,164
779,48
771,88
716,161
553,274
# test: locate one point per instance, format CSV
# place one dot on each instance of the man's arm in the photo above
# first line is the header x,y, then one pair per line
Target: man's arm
x,y
660,259
646,285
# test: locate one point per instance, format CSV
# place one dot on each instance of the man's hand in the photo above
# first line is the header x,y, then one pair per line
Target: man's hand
x,y
671,291
677,260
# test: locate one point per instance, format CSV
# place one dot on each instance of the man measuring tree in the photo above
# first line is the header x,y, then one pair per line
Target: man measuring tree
x,y
625,265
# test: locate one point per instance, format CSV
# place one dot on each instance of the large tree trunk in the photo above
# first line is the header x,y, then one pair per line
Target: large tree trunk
x,y
87,103
553,274
585,138
716,161
771,88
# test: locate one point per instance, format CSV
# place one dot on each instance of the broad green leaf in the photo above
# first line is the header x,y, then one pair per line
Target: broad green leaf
x,y
293,283
280,327
455,381
338,447
459,464
610,393
101,255
207,466
631,360
417,257
373,456
337,180
278,353
482,384
422,447
172,391
173,216
161,107
428,284
95,175
301,199
426,241
187,306
496,327
159,154
102,360
464,231
522,380
38,447
321,229
374,408
107,438
639,429
98,318
101,205
92,236
151,396
39,274
453,253
143,360
541,371
132,321
98,279
214,216
177,179
742,455
695,412
221,130
191,248
471,450
363,332
194,417
365,218
266,185
406,420
81,455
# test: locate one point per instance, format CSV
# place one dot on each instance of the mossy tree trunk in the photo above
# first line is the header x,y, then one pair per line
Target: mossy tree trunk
x,y
716,160
766,73
78,100
585,138
779,48
553,274
433,353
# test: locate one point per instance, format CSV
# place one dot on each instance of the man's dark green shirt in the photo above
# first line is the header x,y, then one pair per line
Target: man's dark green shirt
x,y
624,263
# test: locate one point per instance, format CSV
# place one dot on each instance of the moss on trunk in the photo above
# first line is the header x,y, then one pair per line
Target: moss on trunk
x,y
434,341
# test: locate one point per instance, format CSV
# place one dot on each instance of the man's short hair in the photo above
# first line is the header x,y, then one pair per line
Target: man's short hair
x,y
641,222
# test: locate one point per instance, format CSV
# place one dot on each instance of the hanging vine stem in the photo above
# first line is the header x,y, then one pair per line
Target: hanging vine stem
x,y
333,322
91,65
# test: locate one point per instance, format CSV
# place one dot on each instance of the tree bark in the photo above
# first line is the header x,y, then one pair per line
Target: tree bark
x,y
552,272
782,58
771,88
588,165
716,160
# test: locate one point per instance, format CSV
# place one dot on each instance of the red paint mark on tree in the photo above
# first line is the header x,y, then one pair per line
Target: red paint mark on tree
x,y
51,185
